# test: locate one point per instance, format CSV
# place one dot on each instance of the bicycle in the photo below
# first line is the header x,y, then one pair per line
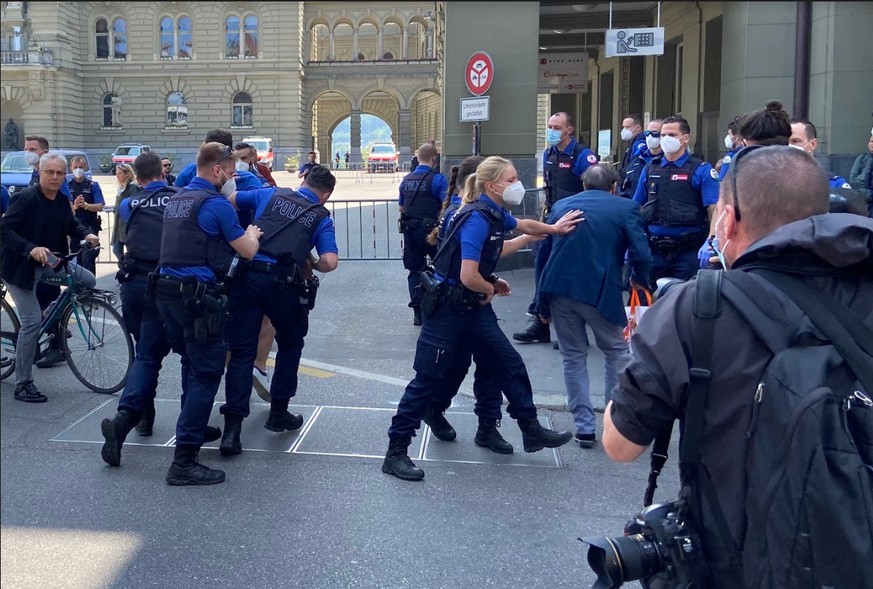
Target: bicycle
x,y
97,346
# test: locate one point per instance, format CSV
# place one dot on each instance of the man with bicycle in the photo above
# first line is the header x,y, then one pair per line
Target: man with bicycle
x,y
37,224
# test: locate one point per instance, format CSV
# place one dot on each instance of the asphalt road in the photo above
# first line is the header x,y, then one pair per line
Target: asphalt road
x,y
311,509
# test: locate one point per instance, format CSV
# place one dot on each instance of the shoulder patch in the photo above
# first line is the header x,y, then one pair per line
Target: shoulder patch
x,y
726,160
713,173
592,159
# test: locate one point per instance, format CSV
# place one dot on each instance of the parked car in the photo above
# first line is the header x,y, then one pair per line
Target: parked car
x,y
264,147
15,174
383,158
125,154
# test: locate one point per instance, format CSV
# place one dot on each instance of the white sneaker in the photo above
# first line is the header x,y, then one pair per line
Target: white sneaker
x,y
261,383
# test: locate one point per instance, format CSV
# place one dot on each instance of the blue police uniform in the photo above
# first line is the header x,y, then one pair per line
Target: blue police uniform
x,y
479,237
634,149
198,224
726,163
421,195
632,173
304,169
837,181
187,174
272,284
91,193
488,396
248,181
675,197
143,214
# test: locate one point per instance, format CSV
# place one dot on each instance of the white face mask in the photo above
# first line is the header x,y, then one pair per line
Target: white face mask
x,y
797,147
241,166
78,173
229,187
670,144
514,193
728,142
31,158
716,244
626,135
653,142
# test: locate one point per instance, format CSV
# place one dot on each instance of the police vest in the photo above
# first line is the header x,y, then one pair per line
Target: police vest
x,y
184,243
145,224
85,190
447,261
418,198
672,200
632,176
560,180
289,221
445,219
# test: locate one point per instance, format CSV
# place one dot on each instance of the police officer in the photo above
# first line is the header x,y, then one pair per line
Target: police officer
x,y
167,168
199,223
632,132
218,135
805,136
87,202
650,151
734,143
459,312
143,214
564,162
678,193
275,284
421,196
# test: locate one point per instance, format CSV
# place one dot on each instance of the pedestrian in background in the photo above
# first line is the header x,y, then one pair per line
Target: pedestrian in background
x,y
127,187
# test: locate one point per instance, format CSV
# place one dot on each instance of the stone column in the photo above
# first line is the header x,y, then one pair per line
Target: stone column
x,y
404,132
355,49
332,49
380,43
404,44
355,138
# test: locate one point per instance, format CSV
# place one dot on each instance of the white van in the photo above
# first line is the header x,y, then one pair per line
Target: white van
x,y
264,147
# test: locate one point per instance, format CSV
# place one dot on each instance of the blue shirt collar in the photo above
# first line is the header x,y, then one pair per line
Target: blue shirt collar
x,y
155,184
678,163
198,183
308,194
568,150
423,168
456,199
491,204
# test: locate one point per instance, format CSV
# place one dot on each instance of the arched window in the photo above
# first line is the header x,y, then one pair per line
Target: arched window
x,y
185,37
101,34
108,120
241,110
168,40
119,38
177,37
231,37
251,34
392,40
177,111
319,39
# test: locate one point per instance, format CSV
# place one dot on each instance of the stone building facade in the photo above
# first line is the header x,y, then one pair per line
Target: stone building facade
x,y
94,75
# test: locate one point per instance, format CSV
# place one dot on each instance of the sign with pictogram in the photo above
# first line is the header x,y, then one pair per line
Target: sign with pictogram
x,y
479,73
634,42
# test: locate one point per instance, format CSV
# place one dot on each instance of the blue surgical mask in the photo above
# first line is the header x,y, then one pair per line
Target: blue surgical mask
x,y
553,137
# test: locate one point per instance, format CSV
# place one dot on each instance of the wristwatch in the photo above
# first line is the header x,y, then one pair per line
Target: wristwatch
x,y
493,278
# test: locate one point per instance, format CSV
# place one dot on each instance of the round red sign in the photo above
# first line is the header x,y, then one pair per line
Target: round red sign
x,y
479,73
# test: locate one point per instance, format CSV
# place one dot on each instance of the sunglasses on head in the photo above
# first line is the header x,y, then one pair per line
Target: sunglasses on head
x,y
652,133
228,153
735,162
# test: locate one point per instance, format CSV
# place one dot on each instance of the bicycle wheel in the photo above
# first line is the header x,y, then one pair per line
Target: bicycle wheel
x,y
98,348
9,327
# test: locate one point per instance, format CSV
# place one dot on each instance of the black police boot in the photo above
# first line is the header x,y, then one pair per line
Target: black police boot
x,y
487,436
115,431
537,331
230,444
185,470
146,423
440,426
397,462
536,437
283,421
212,433
416,315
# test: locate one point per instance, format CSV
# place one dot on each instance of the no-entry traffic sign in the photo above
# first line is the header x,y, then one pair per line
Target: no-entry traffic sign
x,y
479,73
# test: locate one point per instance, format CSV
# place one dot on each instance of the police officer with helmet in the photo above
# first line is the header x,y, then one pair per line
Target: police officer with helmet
x,y
421,197
143,214
199,224
678,193
276,283
459,316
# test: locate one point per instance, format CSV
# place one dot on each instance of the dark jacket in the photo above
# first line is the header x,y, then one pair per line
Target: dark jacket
x,y
835,253
24,228
585,265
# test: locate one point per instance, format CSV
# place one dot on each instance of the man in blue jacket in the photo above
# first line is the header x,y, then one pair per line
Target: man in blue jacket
x,y
581,285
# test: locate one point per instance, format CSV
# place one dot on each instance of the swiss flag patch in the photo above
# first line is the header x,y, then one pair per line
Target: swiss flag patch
x,y
592,159
564,164
679,177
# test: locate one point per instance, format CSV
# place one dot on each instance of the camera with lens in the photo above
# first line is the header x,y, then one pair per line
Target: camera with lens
x,y
658,548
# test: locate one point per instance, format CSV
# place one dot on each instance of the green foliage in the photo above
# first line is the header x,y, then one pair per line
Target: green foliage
x,y
292,162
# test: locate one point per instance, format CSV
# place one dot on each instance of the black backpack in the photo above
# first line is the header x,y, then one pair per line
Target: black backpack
x,y
809,467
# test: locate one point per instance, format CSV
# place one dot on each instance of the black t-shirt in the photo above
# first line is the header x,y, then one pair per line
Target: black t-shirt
x,y
54,226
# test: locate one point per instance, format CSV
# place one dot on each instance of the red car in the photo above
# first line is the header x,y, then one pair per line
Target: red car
x,y
125,154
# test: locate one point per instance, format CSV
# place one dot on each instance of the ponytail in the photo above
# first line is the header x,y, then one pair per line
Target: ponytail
x,y
471,194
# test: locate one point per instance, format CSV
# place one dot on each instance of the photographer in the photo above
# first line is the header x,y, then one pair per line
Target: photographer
x,y
770,215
